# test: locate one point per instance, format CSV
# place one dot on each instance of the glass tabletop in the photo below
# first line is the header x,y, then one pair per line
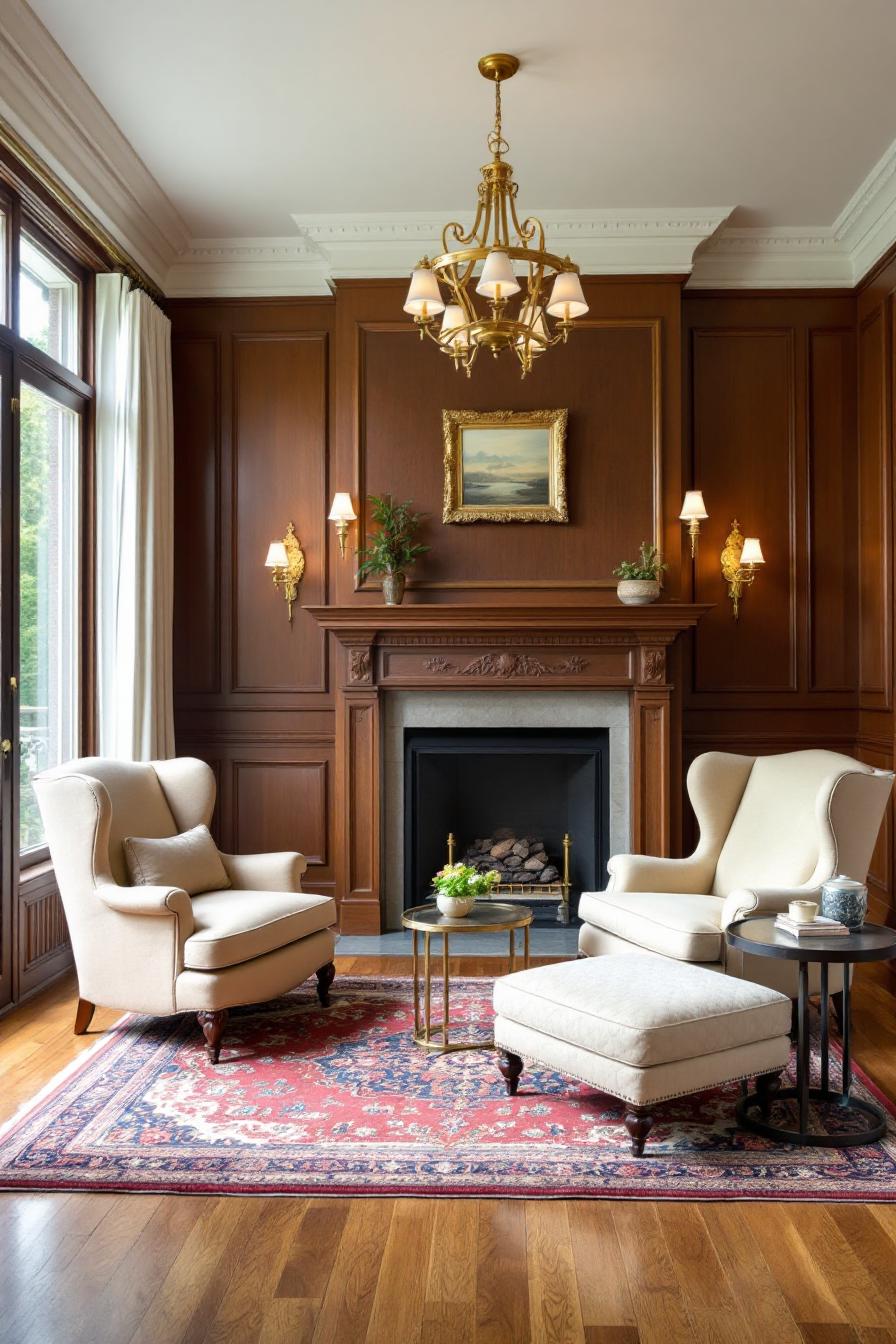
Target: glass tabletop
x,y
761,937
486,916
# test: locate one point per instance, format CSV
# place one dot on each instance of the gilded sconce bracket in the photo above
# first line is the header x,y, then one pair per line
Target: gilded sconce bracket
x,y
737,576
288,577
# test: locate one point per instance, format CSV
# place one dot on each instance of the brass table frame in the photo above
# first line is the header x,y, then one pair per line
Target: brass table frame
x,y
434,1035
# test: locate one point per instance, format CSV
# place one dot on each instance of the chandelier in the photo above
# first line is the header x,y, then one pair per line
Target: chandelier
x,y
500,258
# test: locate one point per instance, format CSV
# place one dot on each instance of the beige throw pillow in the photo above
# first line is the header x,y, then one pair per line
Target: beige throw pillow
x,y
190,861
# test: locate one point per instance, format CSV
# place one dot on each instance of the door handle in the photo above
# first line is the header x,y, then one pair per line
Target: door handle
x,y
5,747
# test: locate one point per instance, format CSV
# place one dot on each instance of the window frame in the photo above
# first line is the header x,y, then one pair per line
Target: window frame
x,y
73,389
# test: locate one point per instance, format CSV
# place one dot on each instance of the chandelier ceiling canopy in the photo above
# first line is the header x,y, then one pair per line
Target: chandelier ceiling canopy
x,y
502,261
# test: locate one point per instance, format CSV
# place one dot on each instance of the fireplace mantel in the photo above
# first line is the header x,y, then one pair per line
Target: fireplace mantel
x,y
419,617
476,647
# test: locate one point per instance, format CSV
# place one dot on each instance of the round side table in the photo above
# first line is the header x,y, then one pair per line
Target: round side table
x,y
761,938
485,917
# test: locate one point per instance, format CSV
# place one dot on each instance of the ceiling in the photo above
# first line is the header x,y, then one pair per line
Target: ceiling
x,y
247,115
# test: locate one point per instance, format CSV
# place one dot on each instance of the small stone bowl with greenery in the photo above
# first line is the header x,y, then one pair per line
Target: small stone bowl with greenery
x,y
458,887
639,580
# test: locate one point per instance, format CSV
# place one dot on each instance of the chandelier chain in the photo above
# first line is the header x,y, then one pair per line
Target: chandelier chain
x,y
496,142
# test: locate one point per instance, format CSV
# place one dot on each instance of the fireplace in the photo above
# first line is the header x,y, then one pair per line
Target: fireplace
x,y
513,786
441,654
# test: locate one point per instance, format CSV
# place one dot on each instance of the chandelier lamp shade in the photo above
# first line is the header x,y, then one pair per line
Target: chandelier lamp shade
x,y
495,287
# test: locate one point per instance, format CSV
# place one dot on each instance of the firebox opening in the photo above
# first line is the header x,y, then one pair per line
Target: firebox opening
x,y
534,783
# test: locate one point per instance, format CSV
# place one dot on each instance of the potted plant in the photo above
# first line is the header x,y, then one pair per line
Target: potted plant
x,y
391,550
458,886
639,580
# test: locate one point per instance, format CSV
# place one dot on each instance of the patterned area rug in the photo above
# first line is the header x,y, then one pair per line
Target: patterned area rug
x,y
308,1100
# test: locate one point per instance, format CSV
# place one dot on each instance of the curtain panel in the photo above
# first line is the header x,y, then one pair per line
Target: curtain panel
x,y
135,523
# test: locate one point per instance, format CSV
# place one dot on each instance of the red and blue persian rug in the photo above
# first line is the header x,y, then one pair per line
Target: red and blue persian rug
x,y
338,1100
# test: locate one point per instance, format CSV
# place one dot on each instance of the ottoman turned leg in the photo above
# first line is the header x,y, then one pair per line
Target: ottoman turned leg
x,y
511,1067
639,1122
767,1085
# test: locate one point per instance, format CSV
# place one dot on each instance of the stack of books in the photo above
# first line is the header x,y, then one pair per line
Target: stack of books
x,y
819,927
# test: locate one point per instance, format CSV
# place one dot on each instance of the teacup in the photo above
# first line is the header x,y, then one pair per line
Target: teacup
x,y
802,912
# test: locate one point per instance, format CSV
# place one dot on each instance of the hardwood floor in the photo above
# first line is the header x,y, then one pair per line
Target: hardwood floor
x,y
148,1269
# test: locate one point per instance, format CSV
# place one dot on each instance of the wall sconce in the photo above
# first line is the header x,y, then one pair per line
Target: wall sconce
x,y
287,561
693,511
342,513
739,560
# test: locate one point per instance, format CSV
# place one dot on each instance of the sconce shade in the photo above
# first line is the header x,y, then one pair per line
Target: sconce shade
x,y
752,552
497,280
276,556
567,299
693,506
424,298
342,509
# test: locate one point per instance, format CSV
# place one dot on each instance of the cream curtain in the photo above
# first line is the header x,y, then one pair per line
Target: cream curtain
x,y
135,523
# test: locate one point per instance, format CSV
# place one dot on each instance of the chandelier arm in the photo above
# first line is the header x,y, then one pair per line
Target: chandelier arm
x,y
550,260
455,228
530,228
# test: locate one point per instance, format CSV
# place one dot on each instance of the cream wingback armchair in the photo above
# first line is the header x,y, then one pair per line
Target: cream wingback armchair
x,y
155,949
772,829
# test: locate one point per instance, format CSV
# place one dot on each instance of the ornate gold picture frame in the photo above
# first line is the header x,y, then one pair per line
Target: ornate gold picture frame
x,y
505,466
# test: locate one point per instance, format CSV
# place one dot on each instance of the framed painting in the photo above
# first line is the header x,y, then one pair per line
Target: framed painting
x,y
505,466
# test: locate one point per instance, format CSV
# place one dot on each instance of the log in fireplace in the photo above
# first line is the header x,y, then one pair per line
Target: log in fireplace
x,y
513,786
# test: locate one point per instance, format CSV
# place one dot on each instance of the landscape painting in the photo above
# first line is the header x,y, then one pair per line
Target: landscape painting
x,y
504,466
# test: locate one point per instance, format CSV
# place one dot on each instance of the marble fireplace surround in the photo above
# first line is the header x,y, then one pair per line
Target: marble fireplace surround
x,y
605,661
494,709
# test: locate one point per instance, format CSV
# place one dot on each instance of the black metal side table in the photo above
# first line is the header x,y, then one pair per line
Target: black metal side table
x,y
761,938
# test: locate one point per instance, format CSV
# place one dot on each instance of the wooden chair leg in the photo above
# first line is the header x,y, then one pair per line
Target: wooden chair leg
x,y
639,1122
511,1067
83,1016
325,976
212,1025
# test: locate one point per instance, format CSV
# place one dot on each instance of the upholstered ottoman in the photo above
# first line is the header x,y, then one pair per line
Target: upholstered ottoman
x,y
641,1029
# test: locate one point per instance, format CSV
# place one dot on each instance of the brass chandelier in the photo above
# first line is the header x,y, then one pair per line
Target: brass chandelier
x,y
484,258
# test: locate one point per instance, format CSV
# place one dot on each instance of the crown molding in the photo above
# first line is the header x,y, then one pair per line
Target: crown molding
x,y
234,268
55,113
778,258
602,242
866,226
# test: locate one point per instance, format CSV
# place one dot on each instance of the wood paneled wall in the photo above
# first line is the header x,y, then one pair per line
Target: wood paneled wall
x,y
252,412
751,397
280,403
771,441
876,451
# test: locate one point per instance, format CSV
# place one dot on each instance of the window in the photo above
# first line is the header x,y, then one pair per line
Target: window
x,y
4,315
49,606
48,305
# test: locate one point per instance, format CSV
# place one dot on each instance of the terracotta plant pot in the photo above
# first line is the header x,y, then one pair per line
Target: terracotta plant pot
x,y
452,908
393,589
637,592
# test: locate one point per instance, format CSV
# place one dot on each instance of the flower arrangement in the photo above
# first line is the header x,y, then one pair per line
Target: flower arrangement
x,y
458,886
460,882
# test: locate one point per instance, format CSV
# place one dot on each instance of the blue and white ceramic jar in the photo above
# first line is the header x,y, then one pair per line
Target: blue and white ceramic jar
x,y
844,899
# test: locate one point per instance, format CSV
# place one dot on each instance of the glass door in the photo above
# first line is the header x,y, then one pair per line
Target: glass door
x,y
8,706
48,691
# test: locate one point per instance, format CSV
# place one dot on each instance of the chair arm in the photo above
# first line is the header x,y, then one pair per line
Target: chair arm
x,y
643,872
763,901
149,901
265,872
